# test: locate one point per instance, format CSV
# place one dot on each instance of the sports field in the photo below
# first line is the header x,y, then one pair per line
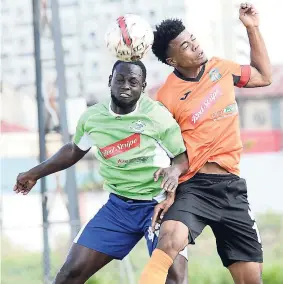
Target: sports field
x,y
20,266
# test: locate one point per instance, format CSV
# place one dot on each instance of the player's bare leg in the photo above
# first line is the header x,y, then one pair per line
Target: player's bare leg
x,y
80,265
246,272
173,238
178,272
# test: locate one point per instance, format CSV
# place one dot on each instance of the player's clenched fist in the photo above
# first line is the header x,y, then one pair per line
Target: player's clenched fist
x,y
25,182
170,178
248,15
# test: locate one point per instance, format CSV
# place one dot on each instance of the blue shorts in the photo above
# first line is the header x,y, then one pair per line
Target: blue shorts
x,y
118,226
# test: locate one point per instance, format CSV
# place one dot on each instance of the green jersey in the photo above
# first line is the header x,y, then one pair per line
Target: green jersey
x,y
130,147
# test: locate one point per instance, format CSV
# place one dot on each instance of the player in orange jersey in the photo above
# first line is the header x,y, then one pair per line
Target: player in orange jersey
x,y
200,95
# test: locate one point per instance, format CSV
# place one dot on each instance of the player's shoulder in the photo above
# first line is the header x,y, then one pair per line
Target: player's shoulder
x,y
171,85
154,109
221,62
216,61
94,111
149,105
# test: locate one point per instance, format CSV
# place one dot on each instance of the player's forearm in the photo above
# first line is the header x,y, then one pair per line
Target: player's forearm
x,y
181,163
259,56
66,157
171,195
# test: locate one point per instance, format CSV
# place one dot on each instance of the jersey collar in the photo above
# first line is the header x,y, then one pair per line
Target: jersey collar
x,y
197,79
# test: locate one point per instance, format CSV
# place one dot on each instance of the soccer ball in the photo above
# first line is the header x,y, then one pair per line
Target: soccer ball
x,y
129,38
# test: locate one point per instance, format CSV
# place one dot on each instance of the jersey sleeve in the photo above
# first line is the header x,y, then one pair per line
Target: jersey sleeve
x,y
81,138
241,73
170,137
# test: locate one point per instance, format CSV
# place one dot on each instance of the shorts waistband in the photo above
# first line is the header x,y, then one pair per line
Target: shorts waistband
x,y
130,200
220,177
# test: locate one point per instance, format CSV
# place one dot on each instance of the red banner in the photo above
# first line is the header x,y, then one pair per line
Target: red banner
x,y
262,141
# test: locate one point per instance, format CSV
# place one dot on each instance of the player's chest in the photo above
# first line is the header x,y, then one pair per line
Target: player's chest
x,y
208,99
119,137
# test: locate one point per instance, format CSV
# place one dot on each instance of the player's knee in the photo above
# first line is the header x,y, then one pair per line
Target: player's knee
x,y
172,239
168,243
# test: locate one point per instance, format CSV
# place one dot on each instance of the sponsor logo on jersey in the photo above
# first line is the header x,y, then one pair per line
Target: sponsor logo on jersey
x,y
225,112
214,75
138,160
121,146
207,103
138,126
185,96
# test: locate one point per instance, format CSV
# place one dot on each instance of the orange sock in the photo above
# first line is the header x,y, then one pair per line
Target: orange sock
x,y
156,270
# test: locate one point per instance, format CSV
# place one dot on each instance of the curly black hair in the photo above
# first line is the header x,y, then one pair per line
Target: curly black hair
x,y
165,32
138,63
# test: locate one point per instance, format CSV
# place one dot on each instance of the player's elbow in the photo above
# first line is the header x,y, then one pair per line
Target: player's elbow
x,y
266,80
269,81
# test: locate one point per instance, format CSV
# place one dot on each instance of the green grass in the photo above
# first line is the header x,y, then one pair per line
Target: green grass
x,y
20,266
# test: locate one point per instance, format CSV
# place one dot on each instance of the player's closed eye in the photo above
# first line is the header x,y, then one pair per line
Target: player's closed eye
x,y
185,45
134,82
119,80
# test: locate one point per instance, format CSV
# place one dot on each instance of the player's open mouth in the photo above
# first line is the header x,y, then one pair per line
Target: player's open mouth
x,y
123,95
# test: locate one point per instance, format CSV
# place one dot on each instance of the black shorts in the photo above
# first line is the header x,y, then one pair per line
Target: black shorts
x,y
219,201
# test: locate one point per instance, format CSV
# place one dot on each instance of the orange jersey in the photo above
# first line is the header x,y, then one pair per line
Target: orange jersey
x,y
206,110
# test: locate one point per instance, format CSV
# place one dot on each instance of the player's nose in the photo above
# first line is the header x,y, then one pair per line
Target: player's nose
x,y
195,46
126,86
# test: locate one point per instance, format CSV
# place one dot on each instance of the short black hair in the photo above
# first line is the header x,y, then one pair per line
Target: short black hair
x,y
166,31
138,63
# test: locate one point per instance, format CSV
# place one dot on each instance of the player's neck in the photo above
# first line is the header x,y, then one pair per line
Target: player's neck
x,y
189,72
122,110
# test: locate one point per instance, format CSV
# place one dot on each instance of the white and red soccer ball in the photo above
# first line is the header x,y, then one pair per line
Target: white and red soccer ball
x,y
129,38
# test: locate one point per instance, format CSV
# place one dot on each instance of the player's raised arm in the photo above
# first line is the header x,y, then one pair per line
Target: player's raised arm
x,y
260,65
66,157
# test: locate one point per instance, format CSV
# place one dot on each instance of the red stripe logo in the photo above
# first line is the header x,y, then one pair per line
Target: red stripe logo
x,y
121,146
124,30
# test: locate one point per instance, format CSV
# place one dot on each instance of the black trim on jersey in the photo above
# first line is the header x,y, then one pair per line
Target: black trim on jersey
x,y
198,77
236,79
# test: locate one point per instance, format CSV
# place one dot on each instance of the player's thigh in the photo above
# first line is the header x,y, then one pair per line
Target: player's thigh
x,y
180,224
246,272
110,231
237,235
83,262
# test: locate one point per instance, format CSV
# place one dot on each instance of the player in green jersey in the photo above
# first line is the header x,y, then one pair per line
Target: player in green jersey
x,y
141,154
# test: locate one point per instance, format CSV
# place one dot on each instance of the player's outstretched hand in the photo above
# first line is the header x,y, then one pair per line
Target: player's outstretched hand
x,y
160,210
25,182
170,178
248,15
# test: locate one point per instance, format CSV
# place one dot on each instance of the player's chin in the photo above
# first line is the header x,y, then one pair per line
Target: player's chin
x,y
126,102
201,61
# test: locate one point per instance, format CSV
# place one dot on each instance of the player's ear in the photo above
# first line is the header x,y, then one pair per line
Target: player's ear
x,y
109,82
144,84
171,62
